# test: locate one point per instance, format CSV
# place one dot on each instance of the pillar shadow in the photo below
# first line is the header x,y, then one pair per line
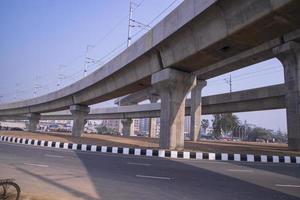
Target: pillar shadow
x,y
292,170
113,178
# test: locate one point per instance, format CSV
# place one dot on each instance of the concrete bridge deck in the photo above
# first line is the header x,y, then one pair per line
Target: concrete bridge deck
x,y
265,98
196,41
194,36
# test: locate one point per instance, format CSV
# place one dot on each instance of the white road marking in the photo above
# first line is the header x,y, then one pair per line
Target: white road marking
x,y
205,161
293,186
141,164
239,170
53,156
37,165
154,177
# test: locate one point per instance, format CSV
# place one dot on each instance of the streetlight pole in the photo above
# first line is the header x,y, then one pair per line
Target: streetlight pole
x,y
239,131
233,131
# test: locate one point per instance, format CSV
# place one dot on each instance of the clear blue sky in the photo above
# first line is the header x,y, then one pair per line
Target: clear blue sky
x,y
37,37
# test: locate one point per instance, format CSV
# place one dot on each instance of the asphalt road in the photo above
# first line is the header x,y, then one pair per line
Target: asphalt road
x,y
63,174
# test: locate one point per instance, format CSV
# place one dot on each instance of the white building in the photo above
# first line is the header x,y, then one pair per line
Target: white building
x,y
144,126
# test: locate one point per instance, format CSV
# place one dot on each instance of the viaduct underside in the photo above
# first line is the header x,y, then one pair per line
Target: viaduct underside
x,y
197,41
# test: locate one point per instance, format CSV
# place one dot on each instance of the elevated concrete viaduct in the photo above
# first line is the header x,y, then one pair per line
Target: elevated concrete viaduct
x,y
266,98
198,40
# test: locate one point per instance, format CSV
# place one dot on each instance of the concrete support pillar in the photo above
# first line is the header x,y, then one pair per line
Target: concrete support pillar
x,y
152,121
172,86
289,55
34,119
127,129
127,124
79,113
196,110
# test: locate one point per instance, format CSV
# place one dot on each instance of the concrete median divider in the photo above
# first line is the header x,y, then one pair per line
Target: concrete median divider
x,y
193,155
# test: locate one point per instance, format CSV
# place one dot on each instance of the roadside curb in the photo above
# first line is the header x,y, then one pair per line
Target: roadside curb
x,y
155,152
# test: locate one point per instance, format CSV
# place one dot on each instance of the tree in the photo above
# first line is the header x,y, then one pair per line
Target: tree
x,y
224,123
102,129
217,132
228,121
279,136
205,124
259,133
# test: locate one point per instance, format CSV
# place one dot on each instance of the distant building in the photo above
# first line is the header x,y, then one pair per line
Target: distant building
x,y
187,125
136,126
157,126
144,126
63,121
95,122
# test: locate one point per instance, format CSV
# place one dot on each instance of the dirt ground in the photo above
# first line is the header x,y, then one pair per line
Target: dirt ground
x,y
144,142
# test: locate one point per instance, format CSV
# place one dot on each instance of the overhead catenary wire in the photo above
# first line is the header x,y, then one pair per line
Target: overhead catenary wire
x,y
101,61
149,24
276,67
104,37
245,78
68,64
238,78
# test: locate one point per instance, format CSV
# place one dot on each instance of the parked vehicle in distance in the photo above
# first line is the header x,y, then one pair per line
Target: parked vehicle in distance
x,y
16,129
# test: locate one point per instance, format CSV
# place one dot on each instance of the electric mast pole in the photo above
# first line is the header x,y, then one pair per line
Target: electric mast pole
x,y
229,82
87,59
129,24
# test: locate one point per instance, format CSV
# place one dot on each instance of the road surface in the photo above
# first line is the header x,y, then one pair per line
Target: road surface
x,y
47,173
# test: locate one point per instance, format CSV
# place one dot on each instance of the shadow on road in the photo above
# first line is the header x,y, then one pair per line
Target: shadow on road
x,y
291,170
114,178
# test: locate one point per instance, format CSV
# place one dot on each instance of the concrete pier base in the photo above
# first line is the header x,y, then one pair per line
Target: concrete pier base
x,y
127,129
79,113
152,121
196,110
172,86
34,119
289,55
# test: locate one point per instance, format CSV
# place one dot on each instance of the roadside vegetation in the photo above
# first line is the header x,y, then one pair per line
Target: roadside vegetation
x,y
229,127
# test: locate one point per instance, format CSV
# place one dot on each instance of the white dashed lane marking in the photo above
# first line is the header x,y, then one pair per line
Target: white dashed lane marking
x,y
36,165
239,170
154,177
140,164
292,186
53,156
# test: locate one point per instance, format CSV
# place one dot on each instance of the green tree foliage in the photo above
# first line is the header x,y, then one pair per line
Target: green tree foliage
x,y
105,130
224,122
259,133
228,121
217,125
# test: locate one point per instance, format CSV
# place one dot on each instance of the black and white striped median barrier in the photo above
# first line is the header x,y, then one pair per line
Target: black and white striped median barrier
x,y
155,152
